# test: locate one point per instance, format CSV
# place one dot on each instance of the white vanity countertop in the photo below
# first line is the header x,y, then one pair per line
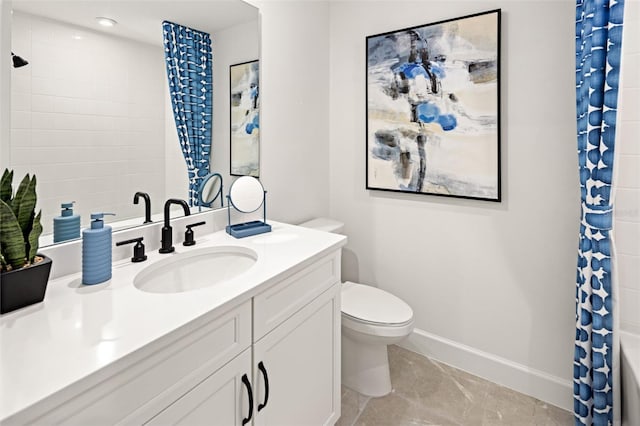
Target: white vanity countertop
x,y
80,330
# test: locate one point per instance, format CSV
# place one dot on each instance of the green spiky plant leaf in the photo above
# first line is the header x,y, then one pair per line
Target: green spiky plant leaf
x,y
20,228
22,189
34,235
5,186
11,240
24,205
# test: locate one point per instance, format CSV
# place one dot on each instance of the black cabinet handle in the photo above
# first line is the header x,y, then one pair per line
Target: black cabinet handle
x,y
247,384
266,385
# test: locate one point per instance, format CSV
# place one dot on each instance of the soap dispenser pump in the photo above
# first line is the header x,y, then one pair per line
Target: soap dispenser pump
x,y
67,225
96,251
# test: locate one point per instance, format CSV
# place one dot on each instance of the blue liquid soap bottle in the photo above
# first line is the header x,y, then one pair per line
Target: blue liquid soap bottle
x,y
67,225
96,251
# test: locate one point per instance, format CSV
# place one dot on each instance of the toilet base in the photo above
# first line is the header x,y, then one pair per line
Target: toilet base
x,y
365,367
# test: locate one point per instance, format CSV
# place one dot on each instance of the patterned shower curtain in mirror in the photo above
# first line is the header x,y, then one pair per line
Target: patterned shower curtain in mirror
x,y
189,62
598,55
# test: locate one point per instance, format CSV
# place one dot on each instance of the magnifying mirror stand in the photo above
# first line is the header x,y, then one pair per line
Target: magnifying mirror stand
x,y
246,229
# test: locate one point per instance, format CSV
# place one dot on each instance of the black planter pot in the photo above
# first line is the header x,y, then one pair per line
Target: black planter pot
x,y
24,287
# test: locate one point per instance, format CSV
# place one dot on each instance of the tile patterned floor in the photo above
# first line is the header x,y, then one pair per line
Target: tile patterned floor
x,y
426,392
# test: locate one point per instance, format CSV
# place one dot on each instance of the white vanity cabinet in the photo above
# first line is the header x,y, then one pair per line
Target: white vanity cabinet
x,y
295,375
269,356
151,379
293,367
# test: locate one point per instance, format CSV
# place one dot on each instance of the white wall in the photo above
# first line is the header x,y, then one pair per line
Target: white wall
x,y
294,108
240,43
627,198
5,83
91,105
496,280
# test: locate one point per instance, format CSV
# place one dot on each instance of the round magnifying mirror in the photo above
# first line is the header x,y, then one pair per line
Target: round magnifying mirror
x,y
246,194
210,189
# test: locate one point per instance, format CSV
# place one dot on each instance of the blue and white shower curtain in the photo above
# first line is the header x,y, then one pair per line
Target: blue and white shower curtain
x,y
598,55
189,70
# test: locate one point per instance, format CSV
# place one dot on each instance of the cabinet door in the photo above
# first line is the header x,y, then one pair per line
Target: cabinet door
x,y
220,399
300,361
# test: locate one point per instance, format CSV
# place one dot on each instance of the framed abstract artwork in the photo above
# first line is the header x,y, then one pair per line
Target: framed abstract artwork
x,y
433,108
245,122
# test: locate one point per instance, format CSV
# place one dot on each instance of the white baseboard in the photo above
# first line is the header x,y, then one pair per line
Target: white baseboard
x,y
538,384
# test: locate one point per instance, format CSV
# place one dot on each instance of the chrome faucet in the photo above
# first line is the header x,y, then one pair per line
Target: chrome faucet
x,y
147,205
167,231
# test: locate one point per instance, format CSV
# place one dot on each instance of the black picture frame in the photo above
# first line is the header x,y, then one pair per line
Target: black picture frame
x,y
433,108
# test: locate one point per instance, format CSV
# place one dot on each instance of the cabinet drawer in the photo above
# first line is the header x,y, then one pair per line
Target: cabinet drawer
x,y
279,302
164,372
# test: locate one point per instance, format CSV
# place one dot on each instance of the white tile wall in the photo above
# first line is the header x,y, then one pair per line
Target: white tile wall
x,y
627,198
87,117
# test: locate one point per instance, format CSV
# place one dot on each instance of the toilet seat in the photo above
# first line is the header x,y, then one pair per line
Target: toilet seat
x,y
368,332
375,324
367,307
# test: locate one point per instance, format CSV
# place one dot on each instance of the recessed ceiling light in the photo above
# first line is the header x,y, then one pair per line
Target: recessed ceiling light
x,y
106,22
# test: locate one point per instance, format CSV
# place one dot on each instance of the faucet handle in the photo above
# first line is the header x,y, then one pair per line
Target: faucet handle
x,y
138,249
188,235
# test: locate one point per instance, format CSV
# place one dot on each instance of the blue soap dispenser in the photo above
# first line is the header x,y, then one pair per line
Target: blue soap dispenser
x,y
96,251
67,225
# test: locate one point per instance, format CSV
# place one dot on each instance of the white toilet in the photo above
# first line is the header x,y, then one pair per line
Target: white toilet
x,y
371,319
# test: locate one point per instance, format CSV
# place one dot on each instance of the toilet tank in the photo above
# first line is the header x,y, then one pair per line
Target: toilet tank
x,y
324,224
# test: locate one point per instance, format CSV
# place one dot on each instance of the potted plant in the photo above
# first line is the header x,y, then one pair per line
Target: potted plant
x,y
24,273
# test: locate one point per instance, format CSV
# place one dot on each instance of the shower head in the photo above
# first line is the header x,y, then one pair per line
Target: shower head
x,y
18,61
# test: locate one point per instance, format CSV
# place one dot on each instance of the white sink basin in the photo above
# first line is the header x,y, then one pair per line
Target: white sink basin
x,y
195,269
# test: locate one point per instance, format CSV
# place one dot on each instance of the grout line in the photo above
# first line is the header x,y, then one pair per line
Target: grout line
x,y
360,411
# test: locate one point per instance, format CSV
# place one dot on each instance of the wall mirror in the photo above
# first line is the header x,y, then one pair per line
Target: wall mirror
x,y
91,114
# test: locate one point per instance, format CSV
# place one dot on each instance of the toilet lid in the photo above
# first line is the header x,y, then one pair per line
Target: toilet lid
x,y
373,305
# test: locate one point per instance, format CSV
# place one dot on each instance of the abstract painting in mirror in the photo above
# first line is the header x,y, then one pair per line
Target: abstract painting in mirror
x,y
91,113
433,104
245,115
